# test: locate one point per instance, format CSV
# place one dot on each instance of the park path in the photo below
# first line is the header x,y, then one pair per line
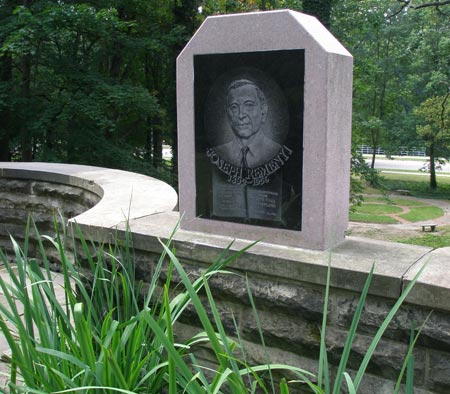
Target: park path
x,y
443,204
404,228
399,218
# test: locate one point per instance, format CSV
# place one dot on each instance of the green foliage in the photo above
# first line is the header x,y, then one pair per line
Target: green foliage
x,y
94,82
434,129
319,8
108,334
434,122
361,173
376,44
324,379
438,239
417,185
90,82
401,59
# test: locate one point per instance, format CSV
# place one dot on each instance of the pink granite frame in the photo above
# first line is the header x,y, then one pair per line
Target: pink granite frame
x,y
326,127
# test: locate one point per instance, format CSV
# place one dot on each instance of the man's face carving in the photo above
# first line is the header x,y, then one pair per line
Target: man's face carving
x,y
245,111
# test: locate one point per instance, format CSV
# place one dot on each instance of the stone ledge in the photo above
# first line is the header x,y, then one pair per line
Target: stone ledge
x,y
150,216
124,195
351,261
433,287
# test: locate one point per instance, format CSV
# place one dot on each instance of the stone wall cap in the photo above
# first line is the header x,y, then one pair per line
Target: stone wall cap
x,y
351,261
58,168
150,216
124,195
433,286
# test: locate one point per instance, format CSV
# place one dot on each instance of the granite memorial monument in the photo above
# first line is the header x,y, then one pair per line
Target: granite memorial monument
x,y
264,129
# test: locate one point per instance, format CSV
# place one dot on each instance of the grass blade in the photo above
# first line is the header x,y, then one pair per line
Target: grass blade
x,y
408,363
323,374
351,334
236,384
350,384
383,328
183,369
284,389
260,331
169,334
201,312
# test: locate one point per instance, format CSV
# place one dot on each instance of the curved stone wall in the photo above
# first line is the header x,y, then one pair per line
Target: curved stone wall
x,y
89,196
287,282
41,201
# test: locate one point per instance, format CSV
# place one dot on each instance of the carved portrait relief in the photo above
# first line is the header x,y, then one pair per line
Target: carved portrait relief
x,y
243,146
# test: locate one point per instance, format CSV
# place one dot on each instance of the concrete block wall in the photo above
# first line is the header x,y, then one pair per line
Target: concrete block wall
x,y
287,283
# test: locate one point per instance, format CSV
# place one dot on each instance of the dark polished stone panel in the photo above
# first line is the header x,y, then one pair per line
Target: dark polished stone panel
x,y
249,137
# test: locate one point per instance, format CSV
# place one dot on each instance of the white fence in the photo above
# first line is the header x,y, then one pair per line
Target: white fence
x,y
402,151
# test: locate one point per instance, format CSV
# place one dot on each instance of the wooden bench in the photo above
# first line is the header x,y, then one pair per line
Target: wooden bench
x,y
403,192
431,227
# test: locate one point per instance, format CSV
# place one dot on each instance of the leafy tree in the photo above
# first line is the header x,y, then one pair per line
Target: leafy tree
x,y
94,81
428,81
434,129
378,45
404,5
6,86
401,59
90,82
360,173
64,91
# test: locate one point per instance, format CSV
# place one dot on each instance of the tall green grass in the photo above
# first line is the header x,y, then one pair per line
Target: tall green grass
x,y
324,379
109,335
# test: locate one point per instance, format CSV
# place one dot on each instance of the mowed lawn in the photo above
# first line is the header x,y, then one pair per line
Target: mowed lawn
x,y
388,210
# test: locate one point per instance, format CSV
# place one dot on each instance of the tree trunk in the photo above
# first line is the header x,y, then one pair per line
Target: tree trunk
x,y
433,181
116,61
379,97
375,138
148,141
5,116
157,148
372,164
26,138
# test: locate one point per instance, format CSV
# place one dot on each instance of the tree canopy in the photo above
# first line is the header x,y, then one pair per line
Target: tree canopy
x,y
90,82
401,52
93,81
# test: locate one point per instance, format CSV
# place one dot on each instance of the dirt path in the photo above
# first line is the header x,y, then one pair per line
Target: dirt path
x,y
397,217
